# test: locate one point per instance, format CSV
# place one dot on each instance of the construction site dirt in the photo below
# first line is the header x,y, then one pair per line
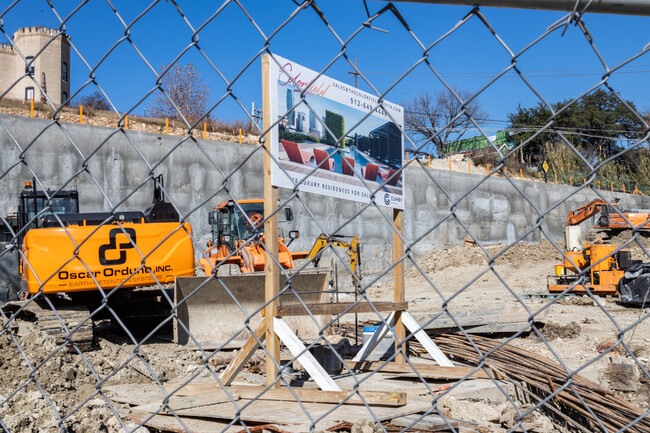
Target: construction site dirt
x,y
575,330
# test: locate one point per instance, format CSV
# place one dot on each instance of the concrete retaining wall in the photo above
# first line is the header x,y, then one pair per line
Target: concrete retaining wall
x,y
111,169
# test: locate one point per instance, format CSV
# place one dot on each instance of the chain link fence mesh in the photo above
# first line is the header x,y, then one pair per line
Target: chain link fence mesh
x,y
101,356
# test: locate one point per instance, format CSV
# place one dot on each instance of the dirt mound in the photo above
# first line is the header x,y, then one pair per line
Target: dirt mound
x,y
517,255
551,331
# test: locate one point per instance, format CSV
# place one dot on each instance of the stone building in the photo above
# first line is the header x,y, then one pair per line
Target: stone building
x,y
50,68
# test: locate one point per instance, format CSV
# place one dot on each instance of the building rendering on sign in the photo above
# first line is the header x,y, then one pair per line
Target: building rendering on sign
x,y
50,68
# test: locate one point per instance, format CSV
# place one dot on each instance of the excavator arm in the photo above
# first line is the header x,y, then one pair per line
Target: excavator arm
x,y
585,212
338,241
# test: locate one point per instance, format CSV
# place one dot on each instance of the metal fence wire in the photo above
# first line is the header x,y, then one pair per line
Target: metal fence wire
x,y
116,317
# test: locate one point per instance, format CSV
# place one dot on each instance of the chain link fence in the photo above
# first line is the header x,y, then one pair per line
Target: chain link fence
x,y
118,317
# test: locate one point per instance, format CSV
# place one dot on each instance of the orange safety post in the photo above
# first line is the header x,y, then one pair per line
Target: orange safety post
x,y
32,109
166,126
407,157
539,175
429,162
126,122
505,170
555,177
570,180
521,174
469,167
239,135
449,164
623,187
488,168
611,186
205,131
584,180
598,184
81,114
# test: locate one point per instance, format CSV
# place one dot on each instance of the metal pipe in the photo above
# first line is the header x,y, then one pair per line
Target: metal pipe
x,y
620,7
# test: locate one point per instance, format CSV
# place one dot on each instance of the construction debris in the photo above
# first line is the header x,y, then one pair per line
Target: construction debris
x,y
537,376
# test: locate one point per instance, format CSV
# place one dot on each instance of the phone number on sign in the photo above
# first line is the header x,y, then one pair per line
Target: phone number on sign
x,y
366,106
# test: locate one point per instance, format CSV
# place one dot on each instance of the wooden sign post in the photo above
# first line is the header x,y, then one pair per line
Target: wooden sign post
x,y
272,271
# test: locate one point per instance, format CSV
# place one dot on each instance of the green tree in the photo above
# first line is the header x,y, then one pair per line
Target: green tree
x,y
336,124
599,125
183,89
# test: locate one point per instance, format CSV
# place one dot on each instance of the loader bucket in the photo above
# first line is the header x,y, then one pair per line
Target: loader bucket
x,y
212,311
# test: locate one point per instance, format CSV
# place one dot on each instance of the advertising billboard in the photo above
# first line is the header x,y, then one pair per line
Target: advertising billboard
x,y
328,143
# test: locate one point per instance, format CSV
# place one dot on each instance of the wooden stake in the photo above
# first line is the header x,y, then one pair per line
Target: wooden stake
x,y
243,355
272,273
398,284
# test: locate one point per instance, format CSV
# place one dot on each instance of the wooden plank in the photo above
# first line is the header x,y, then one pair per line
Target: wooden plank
x,y
437,371
427,423
425,341
244,354
150,393
205,399
271,268
467,318
372,342
169,423
398,285
312,395
266,411
306,359
340,308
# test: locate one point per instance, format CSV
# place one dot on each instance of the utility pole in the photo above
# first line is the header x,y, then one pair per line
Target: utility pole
x,y
355,72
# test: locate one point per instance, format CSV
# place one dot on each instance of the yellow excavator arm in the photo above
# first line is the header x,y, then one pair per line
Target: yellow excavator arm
x,y
352,248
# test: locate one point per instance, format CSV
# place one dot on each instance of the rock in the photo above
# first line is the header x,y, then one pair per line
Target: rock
x,y
622,377
366,426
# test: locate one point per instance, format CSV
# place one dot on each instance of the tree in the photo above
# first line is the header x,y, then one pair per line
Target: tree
x,y
433,117
336,124
188,90
94,101
598,125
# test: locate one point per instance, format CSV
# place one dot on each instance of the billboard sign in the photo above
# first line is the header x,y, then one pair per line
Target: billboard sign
x,y
353,159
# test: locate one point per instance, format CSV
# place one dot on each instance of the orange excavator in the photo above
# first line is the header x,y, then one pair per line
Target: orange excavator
x,y
612,218
238,238
602,268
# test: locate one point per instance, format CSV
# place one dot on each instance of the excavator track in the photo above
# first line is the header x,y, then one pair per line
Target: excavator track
x,y
63,323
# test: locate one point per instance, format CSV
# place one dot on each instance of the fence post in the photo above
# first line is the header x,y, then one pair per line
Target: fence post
x,y
81,114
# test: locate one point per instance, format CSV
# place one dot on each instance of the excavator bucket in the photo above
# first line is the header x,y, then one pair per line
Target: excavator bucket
x,y
212,312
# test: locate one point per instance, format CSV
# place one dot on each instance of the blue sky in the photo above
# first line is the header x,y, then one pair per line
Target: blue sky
x,y
560,67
